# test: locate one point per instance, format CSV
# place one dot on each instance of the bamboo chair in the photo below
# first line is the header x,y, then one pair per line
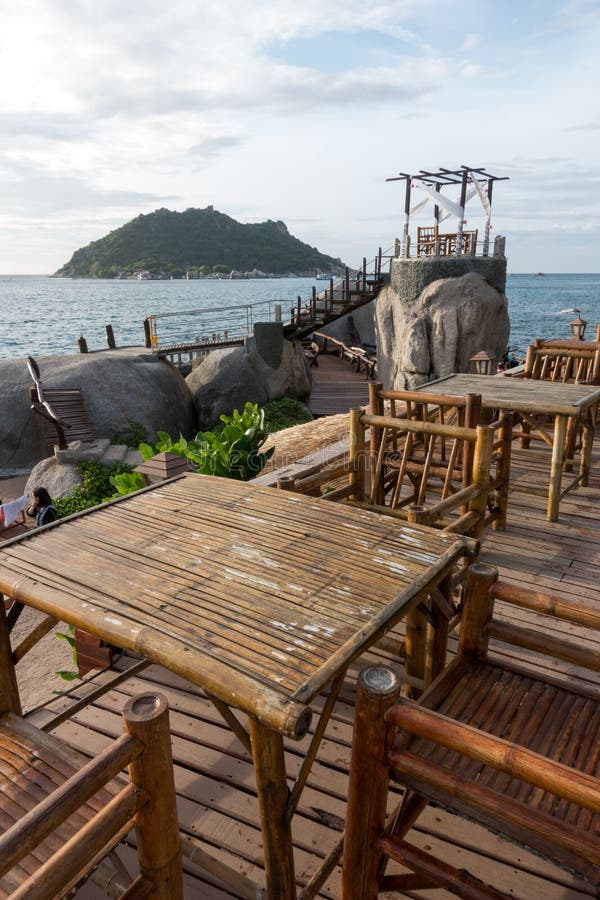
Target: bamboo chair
x,y
497,741
427,240
59,820
560,362
405,471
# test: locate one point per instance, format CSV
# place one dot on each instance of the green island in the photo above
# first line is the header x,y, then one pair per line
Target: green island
x,y
197,243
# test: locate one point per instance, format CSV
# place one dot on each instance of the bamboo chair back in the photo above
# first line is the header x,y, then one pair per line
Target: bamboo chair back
x,y
525,766
407,470
427,240
549,361
66,813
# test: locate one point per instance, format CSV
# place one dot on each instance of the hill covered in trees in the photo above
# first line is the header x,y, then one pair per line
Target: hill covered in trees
x,y
167,243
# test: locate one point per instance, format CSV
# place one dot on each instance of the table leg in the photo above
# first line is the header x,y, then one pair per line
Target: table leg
x,y
273,796
587,444
556,466
9,691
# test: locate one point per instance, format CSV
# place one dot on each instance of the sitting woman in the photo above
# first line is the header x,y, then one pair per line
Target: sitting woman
x,y
42,508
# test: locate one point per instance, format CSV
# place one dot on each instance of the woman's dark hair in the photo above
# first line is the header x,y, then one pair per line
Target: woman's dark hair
x,y
42,497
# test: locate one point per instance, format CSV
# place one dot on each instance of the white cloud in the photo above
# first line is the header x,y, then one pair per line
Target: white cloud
x,y
111,110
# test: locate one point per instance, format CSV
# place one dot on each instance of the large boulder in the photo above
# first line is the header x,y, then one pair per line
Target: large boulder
x,y
437,333
117,386
267,367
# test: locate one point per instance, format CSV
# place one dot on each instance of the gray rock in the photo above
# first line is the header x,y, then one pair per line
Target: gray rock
x,y
59,479
117,385
266,368
449,322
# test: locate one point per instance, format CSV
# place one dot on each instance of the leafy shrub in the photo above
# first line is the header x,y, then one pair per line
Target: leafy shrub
x,y
127,482
285,413
95,487
230,450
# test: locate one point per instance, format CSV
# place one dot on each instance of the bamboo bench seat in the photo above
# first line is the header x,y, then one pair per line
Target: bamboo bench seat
x,y
494,740
61,813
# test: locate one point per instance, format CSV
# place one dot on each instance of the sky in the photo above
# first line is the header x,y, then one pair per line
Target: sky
x,y
298,111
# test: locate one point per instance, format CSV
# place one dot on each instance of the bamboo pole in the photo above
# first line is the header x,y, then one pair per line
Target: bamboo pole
x,y
146,718
481,474
436,873
558,456
64,866
420,427
357,454
577,613
478,609
9,690
40,821
378,687
273,795
517,761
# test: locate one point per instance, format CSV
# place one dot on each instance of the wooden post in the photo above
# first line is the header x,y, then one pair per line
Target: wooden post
x,y
273,796
405,227
9,691
503,470
357,454
415,661
110,337
461,220
558,458
147,338
146,717
376,408
472,419
481,474
377,689
477,610
82,344
286,483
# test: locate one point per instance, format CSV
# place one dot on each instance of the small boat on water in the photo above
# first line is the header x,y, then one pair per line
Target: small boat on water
x,y
322,277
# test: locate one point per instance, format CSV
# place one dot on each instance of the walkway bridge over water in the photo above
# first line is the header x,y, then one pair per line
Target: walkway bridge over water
x,y
183,336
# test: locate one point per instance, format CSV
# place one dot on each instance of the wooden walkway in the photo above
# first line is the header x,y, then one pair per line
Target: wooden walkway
x,y
336,387
217,799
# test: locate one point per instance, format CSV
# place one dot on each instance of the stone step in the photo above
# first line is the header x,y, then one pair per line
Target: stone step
x,y
115,453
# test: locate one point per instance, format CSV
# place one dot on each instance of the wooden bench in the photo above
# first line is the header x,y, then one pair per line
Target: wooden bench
x,y
494,740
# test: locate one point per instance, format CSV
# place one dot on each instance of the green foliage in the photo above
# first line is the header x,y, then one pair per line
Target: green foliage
x,y
132,436
95,487
127,482
230,450
234,451
69,638
169,243
285,413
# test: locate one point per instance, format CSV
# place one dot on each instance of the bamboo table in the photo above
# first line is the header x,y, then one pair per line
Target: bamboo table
x,y
260,596
566,403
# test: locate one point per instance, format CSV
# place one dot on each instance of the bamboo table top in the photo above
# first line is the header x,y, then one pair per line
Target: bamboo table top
x,y
260,596
519,394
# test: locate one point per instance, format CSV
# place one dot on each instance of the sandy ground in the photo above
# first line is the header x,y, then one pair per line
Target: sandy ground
x,y
36,672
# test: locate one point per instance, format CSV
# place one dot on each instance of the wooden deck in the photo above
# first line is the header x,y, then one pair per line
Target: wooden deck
x,y
337,387
217,799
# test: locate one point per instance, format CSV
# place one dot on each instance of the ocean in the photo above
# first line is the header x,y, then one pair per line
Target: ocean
x,y
42,316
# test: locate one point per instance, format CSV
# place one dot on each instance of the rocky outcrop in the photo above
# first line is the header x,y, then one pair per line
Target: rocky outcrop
x,y
266,368
117,386
437,333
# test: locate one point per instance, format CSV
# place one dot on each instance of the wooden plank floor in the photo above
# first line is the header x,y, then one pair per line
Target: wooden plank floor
x,y
336,386
217,800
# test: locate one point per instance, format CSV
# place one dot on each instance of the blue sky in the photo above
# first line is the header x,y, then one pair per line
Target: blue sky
x,y
297,112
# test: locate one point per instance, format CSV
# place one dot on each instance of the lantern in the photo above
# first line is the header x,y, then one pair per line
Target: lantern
x,y
483,364
578,327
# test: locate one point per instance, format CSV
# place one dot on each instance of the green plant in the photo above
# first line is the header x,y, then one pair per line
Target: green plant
x,y
127,482
95,487
132,436
234,451
70,639
285,413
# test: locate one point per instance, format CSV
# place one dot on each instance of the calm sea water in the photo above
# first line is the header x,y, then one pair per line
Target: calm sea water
x,y
43,316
